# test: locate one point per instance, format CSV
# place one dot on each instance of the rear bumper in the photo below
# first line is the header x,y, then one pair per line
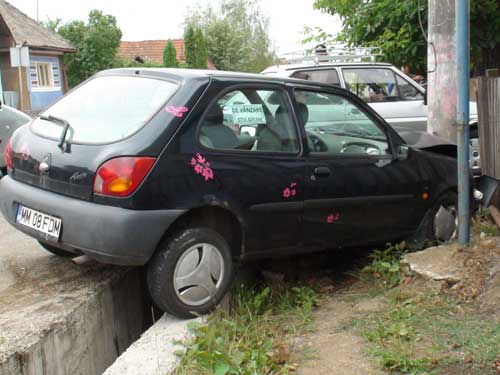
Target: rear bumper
x,y
105,233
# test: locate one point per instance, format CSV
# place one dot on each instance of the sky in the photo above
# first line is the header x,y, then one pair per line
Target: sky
x,y
154,19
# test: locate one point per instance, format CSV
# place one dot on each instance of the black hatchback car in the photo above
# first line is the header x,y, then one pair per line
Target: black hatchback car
x,y
188,171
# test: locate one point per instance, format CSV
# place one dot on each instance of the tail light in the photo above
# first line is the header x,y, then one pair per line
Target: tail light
x,y
121,176
7,155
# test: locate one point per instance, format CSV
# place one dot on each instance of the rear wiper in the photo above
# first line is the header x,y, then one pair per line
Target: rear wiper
x,y
66,126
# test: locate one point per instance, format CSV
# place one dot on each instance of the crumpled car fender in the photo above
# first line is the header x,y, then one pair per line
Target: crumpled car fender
x,y
429,142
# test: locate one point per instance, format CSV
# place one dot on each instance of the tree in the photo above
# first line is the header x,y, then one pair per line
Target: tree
x,y
237,35
195,47
201,57
52,24
170,55
485,35
394,26
96,43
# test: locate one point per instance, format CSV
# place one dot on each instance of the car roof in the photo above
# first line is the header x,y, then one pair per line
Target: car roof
x,y
188,74
16,111
182,73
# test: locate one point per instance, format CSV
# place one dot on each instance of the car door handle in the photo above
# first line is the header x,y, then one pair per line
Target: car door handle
x,y
322,171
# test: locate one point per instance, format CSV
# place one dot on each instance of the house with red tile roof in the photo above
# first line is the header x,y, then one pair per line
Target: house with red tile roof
x,y
152,51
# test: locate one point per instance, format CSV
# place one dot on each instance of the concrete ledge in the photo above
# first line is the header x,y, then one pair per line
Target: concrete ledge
x,y
153,353
77,321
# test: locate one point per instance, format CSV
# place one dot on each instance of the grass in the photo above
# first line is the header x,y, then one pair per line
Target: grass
x,y
385,269
251,339
425,333
485,224
489,229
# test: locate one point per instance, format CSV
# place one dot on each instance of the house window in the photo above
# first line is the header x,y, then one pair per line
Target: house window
x,y
45,75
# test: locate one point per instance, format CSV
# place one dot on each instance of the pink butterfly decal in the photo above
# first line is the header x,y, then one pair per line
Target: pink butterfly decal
x,y
290,191
332,218
177,111
202,167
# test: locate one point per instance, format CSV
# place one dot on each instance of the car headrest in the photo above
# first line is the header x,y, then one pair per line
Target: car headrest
x,y
303,112
215,115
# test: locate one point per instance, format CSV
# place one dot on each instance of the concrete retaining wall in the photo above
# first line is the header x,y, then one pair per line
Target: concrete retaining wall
x,y
154,352
88,339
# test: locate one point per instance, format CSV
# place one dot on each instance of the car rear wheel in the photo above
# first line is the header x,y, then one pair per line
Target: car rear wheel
x,y
56,251
190,273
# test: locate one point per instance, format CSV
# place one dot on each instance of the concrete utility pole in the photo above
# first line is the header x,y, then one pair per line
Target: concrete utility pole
x,y
448,90
463,139
442,76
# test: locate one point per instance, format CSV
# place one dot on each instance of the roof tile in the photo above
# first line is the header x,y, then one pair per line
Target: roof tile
x,y
152,51
26,30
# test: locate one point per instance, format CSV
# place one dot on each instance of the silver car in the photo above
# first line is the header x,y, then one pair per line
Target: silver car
x,y
10,120
395,96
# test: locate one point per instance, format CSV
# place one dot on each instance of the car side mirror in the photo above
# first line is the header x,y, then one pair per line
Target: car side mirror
x,y
402,152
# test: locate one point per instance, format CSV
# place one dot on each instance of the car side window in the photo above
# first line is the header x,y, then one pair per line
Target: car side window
x,y
250,120
408,91
372,85
336,126
327,76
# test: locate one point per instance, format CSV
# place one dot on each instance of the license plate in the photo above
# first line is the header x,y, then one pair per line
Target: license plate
x,y
50,226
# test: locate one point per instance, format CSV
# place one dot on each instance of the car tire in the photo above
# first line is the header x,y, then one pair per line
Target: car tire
x,y
56,251
427,235
444,219
190,273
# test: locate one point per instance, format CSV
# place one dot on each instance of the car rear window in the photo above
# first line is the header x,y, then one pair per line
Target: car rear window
x,y
328,76
106,109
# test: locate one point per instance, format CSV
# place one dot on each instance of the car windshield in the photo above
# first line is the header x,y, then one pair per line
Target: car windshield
x,y
106,109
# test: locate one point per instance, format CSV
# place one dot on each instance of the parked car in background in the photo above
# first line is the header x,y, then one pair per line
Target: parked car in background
x,y
10,120
190,171
395,96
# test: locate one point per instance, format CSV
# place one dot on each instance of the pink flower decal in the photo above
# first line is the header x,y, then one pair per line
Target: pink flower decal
x,y
177,111
332,218
25,152
202,167
290,191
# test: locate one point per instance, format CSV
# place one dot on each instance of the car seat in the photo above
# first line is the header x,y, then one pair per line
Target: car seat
x,y
215,134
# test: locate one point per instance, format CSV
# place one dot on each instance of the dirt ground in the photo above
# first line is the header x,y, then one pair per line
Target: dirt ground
x,y
330,347
335,347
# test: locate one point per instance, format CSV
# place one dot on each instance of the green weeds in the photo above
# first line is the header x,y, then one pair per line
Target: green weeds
x,y
385,266
252,337
425,333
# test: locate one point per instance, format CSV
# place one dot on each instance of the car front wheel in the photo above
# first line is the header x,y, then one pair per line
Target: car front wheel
x,y
445,218
190,273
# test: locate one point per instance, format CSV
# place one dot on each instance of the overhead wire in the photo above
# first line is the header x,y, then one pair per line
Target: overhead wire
x,y
426,38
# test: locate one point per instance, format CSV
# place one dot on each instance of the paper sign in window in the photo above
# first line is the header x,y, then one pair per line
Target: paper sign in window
x,y
248,114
